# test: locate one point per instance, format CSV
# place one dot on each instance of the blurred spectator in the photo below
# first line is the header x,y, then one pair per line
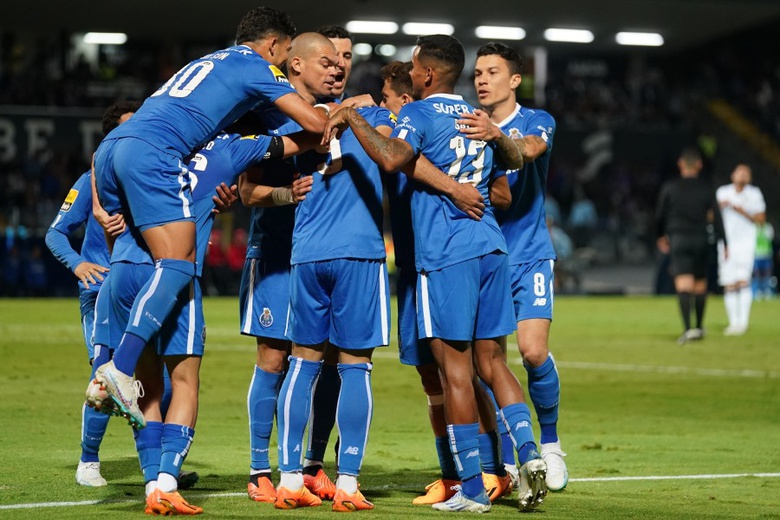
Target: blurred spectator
x,y
583,218
35,274
764,266
216,273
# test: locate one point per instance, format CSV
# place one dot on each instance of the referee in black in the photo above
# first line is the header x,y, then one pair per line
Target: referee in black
x,y
685,208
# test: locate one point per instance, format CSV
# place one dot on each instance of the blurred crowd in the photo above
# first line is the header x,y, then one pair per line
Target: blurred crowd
x,y
605,217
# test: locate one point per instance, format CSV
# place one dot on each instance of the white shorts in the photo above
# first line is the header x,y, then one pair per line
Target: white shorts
x,y
738,267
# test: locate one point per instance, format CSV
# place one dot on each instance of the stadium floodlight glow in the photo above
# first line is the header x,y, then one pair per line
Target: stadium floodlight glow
x,y
423,29
555,34
371,27
645,39
386,50
491,32
362,49
100,38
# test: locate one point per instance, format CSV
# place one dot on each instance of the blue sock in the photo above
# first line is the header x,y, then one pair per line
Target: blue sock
x,y
446,462
323,411
128,353
517,418
507,448
292,410
261,402
544,389
153,304
464,444
176,442
94,423
148,444
353,415
165,402
93,428
490,453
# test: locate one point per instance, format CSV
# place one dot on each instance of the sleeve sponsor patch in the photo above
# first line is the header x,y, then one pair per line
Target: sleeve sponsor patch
x,y
278,74
69,200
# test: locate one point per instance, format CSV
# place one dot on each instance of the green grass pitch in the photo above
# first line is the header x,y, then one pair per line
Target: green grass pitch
x,y
634,404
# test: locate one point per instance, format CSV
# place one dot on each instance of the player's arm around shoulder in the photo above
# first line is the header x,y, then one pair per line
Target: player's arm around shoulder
x,y
389,153
538,141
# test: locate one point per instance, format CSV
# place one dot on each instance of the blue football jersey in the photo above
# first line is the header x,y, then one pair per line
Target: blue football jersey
x,y
76,211
342,215
524,223
443,234
204,97
270,229
220,160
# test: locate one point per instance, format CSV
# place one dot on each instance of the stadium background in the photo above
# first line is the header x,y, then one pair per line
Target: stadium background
x,y
624,112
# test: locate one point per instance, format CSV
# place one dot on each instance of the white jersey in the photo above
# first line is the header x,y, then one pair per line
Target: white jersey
x,y
740,231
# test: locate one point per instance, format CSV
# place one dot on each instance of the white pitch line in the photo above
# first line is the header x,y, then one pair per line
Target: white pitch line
x,y
39,505
676,477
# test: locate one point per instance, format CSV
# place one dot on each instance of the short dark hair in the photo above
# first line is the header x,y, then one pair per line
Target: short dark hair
x,y
261,22
335,31
444,49
114,112
512,57
690,155
397,73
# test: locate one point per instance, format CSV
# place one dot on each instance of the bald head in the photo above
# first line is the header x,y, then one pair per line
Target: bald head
x,y
311,65
308,43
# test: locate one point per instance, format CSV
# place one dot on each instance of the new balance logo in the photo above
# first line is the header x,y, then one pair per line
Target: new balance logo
x,y
540,302
522,424
352,450
474,453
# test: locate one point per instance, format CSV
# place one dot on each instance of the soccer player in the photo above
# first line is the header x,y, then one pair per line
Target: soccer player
x,y
90,266
497,75
339,298
743,208
141,169
456,253
686,206
162,446
265,295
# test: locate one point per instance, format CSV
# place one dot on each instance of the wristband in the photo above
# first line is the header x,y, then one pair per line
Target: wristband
x,y
282,196
323,105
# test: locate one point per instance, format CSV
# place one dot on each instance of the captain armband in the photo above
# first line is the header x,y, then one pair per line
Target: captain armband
x,y
275,149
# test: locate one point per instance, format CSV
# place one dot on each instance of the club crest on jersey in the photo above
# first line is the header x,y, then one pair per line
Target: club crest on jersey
x,y
69,200
514,133
266,319
278,74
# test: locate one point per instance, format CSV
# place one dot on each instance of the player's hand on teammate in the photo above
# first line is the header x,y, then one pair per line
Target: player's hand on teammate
x,y
337,123
88,273
478,126
225,197
114,225
363,100
469,200
300,187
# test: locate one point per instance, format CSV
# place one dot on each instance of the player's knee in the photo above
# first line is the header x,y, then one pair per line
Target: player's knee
x,y
429,377
535,353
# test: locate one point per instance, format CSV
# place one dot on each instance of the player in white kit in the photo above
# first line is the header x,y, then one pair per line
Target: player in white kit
x,y
742,207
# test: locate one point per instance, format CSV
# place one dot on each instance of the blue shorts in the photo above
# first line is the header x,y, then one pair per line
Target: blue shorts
x,y
101,329
87,301
134,177
184,331
264,297
532,289
414,351
466,301
344,301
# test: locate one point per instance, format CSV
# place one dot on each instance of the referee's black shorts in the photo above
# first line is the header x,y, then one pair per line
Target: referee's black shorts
x,y
689,254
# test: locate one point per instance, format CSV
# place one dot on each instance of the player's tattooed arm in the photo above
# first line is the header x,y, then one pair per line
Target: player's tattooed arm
x,y
532,147
389,154
479,126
